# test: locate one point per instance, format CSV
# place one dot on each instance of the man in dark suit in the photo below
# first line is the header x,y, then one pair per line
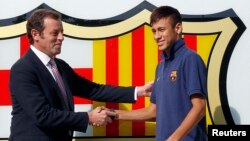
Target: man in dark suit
x,y
42,92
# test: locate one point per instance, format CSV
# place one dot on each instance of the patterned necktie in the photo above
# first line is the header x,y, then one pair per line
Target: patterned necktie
x,y
58,79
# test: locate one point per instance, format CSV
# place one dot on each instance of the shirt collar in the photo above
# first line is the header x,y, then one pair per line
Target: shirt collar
x,y
42,56
173,49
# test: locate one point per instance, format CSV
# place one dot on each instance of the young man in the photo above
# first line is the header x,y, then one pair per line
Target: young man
x,y
179,93
42,88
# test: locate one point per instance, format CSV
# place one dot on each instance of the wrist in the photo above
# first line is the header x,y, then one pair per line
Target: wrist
x,y
139,91
90,119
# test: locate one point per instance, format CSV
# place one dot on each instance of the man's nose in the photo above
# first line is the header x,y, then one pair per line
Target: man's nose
x,y
157,35
60,36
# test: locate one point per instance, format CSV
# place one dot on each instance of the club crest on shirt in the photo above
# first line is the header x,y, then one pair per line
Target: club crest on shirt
x,y
173,75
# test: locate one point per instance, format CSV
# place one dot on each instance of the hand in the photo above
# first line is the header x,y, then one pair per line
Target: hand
x,y
111,116
145,90
110,113
100,116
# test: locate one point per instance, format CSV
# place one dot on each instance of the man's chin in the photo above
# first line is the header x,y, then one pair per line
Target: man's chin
x,y
57,52
161,48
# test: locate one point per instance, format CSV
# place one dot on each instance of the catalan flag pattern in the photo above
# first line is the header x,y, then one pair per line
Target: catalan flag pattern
x,y
128,59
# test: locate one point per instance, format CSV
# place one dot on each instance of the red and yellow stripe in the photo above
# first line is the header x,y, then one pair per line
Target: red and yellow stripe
x,y
126,60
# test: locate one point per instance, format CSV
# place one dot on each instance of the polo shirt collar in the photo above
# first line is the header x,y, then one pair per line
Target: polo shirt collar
x,y
173,50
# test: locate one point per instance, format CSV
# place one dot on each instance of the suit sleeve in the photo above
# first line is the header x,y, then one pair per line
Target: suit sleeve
x,y
82,87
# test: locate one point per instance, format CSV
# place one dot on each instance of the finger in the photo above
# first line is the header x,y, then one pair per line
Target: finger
x,y
113,117
109,120
102,122
105,123
102,108
110,113
99,109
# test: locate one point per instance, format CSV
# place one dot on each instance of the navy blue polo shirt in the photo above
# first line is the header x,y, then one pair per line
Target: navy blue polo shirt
x,y
178,76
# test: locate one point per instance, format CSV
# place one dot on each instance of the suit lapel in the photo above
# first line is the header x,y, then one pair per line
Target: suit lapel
x,y
46,77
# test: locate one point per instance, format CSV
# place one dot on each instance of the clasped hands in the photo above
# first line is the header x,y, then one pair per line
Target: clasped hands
x,y
101,116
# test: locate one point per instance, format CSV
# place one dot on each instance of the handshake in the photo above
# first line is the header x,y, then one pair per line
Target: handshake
x,y
101,116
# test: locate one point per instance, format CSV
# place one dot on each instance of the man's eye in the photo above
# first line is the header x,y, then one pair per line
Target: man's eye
x,y
162,29
55,33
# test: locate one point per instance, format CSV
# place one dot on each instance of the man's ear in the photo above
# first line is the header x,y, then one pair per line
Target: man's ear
x,y
35,34
178,28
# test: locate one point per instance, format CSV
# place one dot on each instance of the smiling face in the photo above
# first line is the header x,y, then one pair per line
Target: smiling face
x,y
165,33
50,39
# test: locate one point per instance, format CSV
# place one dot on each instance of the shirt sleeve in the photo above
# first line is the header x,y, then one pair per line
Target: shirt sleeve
x,y
135,94
195,74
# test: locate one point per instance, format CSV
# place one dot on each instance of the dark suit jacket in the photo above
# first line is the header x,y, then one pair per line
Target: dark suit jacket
x,y
39,112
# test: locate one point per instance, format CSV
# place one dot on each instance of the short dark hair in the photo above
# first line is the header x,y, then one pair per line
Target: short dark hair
x,y
36,21
165,12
